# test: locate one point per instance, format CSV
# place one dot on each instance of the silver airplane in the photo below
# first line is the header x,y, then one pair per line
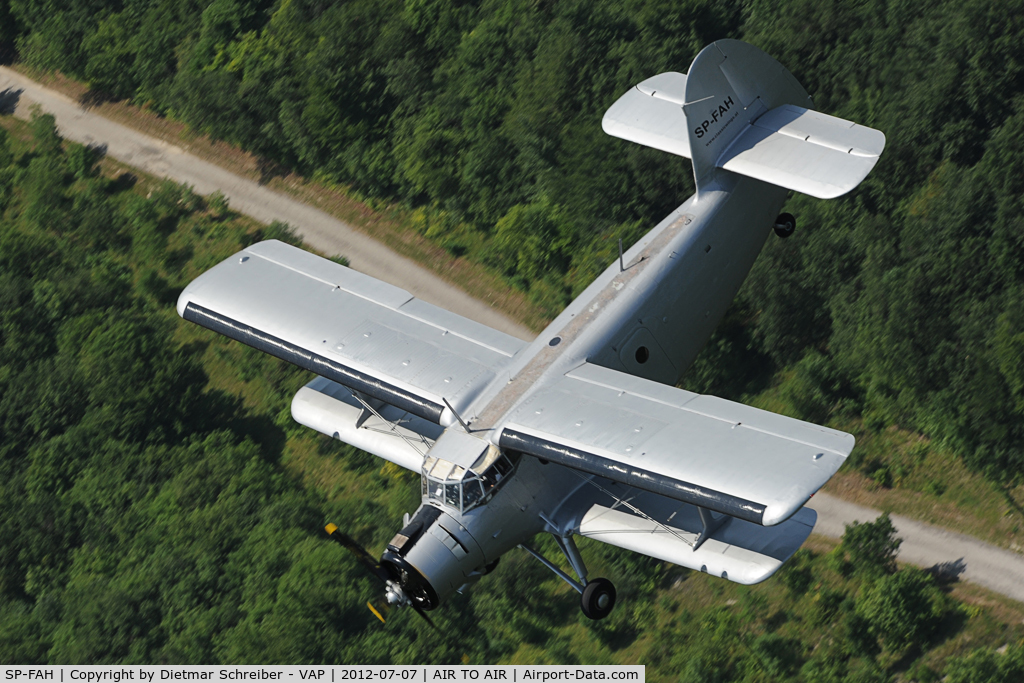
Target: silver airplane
x,y
582,431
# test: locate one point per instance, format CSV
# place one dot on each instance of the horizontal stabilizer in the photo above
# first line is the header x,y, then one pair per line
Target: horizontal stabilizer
x,y
806,151
738,109
651,114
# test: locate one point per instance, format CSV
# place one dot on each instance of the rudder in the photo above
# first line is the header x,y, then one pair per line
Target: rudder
x,y
731,84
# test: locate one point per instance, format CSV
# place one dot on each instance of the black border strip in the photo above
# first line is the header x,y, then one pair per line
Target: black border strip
x,y
344,375
633,476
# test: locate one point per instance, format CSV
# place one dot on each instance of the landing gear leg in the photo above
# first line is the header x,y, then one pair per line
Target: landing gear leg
x,y
597,596
785,224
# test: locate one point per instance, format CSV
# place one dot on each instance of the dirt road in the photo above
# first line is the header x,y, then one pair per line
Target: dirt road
x,y
317,228
999,570
925,545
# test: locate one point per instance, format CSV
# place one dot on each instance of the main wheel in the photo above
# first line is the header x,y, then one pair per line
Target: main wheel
x,y
785,224
598,599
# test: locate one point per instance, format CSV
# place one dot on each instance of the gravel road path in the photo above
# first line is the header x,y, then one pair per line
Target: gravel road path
x,y
322,231
924,545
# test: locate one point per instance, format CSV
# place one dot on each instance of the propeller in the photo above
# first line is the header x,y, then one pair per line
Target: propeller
x,y
379,613
392,586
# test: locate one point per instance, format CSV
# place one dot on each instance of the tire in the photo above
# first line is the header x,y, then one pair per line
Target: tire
x,y
598,599
785,225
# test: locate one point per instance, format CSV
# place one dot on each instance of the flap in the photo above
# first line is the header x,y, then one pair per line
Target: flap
x,y
806,151
362,333
651,114
723,456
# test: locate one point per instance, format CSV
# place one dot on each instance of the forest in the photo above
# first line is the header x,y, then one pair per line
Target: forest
x,y
159,505
901,303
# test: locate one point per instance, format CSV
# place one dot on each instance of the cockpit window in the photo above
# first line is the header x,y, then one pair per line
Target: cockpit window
x,y
472,492
452,495
441,469
497,472
462,489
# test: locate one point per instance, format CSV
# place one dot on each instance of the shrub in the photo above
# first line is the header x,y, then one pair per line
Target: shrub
x,y
871,547
903,609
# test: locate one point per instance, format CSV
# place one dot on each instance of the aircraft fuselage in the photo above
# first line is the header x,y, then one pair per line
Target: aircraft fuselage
x,y
648,318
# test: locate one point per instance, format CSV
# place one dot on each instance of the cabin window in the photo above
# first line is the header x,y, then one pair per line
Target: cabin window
x,y
461,489
472,492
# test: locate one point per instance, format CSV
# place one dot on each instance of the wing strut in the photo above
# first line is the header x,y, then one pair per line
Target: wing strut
x,y
370,410
633,508
709,525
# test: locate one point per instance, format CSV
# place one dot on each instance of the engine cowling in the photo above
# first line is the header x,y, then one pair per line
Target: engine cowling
x,y
432,557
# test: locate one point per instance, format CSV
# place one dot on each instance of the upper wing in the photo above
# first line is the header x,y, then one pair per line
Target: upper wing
x,y
712,453
364,334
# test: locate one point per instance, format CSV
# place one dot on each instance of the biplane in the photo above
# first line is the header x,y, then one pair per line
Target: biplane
x,y
580,432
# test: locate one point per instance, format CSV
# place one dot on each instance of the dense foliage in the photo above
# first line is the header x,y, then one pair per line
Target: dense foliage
x,y
154,504
145,517
902,303
158,505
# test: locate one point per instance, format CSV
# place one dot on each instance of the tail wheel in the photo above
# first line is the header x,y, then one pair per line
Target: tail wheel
x,y
598,599
785,224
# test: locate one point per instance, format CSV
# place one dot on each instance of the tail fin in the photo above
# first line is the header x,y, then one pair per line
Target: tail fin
x,y
740,110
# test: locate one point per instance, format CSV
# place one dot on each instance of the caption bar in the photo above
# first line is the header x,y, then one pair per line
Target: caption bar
x,y
323,674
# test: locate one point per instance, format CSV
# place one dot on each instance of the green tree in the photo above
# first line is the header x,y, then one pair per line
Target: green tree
x,y
871,547
903,609
531,241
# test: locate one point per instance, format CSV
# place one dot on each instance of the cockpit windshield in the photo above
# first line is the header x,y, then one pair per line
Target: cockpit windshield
x,y
463,489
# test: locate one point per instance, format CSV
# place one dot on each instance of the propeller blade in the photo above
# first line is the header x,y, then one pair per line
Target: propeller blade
x,y
379,613
368,561
425,616
365,558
